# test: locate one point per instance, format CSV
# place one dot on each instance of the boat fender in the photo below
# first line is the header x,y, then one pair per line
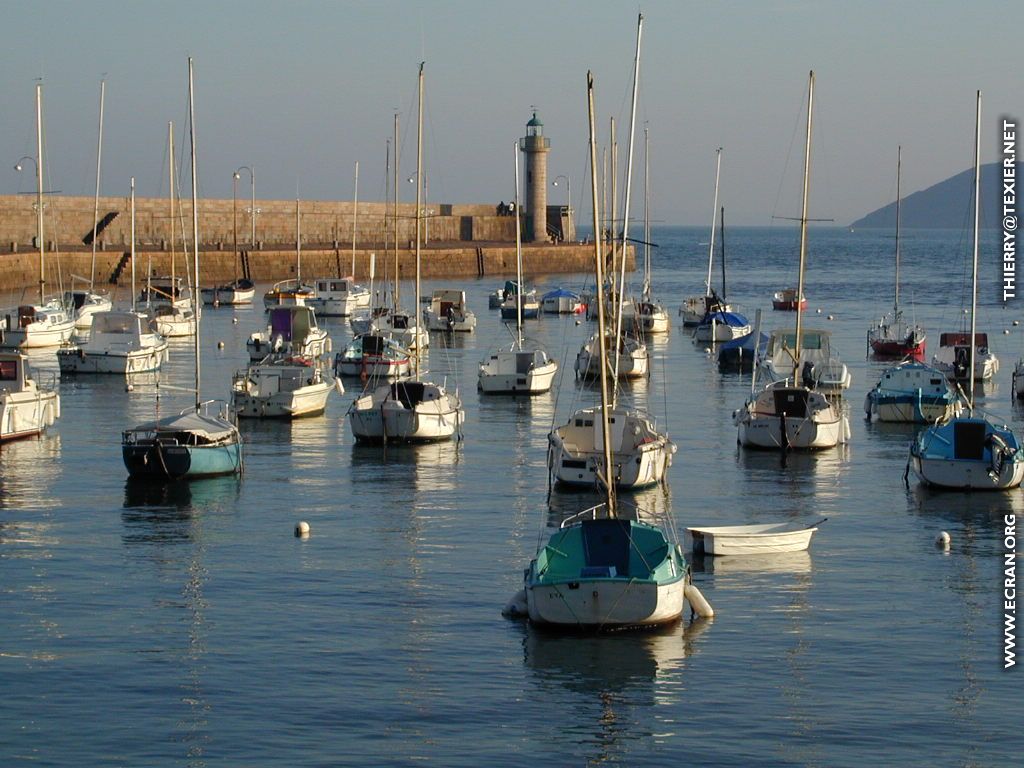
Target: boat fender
x,y
516,608
339,386
698,604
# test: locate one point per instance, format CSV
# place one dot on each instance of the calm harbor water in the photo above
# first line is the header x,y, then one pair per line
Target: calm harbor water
x,y
184,625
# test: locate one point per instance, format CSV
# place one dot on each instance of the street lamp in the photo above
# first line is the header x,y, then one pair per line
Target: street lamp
x,y
568,207
424,211
253,210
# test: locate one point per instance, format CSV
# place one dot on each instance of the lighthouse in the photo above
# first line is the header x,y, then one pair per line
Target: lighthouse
x,y
536,148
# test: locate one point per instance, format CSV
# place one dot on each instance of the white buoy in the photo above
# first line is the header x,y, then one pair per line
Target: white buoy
x,y
302,529
1016,323
1006,331
516,608
129,387
577,322
831,317
707,350
698,604
942,540
234,321
819,310
220,345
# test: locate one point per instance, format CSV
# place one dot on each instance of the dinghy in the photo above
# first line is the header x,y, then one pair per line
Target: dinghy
x,y
770,538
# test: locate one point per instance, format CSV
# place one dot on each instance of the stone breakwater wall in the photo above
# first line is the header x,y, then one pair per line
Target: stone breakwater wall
x,y
68,221
21,270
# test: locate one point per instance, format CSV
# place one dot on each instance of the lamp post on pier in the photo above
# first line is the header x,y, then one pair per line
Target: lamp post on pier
x,y
570,230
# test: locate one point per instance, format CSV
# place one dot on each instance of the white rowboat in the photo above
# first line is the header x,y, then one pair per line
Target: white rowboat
x,y
753,539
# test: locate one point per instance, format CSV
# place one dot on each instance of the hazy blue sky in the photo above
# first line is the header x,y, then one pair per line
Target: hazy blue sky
x,y
301,90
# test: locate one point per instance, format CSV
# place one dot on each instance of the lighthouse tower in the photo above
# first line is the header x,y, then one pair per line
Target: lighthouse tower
x,y
536,148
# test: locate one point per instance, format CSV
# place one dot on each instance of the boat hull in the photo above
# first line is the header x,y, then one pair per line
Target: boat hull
x,y
494,381
645,466
220,296
594,604
26,414
81,361
747,540
156,460
389,420
802,434
907,408
959,474
307,401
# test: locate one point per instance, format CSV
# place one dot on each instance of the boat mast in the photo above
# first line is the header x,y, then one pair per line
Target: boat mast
x,y
298,245
896,294
195,221
39,189
387,202
614,152
625,209
609,484
646,293
977,211
803,232
714,214
419,215
133,244
396,293
355,215
170,177
721,251
519,261
96,200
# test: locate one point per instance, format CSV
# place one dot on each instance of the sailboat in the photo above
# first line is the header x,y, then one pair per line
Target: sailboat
x,y
631,357
894,336
341,296
518,369
241,290
650,315
193,443
969,452
46,324
722,325
84,304
787,414
26,406
611,566
414,410
394,321
120,342
170,300
696,308
640,454
291,292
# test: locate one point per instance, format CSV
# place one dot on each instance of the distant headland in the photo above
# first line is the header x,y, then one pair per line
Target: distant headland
x,y
946,205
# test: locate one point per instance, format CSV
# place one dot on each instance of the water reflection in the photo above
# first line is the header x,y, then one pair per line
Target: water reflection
x,y
180,495
616,685
29,469
423,468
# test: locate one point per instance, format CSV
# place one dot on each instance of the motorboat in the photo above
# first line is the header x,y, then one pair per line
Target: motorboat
x,y
338,297
120,343
953,357
818,367
448,312
786,300
172,322
914,393
281,388
26,406
292,331
527,300
83,304
37,326
288,293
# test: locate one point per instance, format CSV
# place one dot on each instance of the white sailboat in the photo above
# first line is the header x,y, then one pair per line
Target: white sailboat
x,y
170,298
415,410
787,414
119,342
721,325
85,303
650,316
193,443
519,369
969,452
640,454
610,566
695,308
281,388
292,292
46,324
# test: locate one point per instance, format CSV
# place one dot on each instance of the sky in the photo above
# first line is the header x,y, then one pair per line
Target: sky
x,y
302,90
